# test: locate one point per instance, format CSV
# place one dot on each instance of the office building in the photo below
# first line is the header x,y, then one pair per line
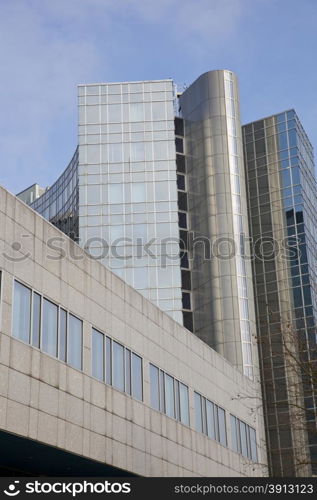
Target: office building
x,y
157,192
283,210
95,380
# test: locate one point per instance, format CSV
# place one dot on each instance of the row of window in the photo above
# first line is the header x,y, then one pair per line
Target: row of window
x,y
168,395
49,327
45,325
116,365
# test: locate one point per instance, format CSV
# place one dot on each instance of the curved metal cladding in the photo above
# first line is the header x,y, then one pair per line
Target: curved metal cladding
x,y
223,302
59,204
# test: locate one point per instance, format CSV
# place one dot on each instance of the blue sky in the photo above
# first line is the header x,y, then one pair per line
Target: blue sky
x,y
47,47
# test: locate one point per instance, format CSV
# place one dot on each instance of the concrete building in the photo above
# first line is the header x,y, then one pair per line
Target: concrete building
x,y
282,195
157,191
96,377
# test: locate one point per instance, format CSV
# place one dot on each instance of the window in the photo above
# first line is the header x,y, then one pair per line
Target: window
x,y
243,439
75,340
210,419
36,320
155,387
49,327
22,312
168,395
181,182
116,365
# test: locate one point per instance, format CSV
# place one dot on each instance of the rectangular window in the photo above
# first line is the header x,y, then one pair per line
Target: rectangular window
x,y
62,335
243,439
184,403
36,320
168,395
155,387
169,398
128,371
75,340
198,413
137,377
49,328
222,426
118,366
108,361
98,355
210,419
22,312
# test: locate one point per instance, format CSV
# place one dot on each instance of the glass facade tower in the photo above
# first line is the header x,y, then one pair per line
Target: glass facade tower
x,y
283,211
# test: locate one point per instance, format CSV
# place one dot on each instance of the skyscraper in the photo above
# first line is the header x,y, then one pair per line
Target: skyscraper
x,y
283,210
159,191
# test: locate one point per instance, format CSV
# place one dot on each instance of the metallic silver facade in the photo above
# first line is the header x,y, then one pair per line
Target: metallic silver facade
x,y
222,295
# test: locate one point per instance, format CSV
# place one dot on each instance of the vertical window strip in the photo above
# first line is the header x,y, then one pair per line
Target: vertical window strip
x,y
116,365
210,419
243,439
169,395
45,325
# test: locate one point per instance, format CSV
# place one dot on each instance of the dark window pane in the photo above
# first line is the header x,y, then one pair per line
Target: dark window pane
x,y
182,220
181,182
36,324
188,320
234,434
186,300
184,260
180,163
210,419
186,280
98,368
179,145
179,126
182,201
22,312
62,335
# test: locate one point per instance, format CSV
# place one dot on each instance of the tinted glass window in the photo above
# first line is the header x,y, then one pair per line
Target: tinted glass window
x,y
97,355
198,413
169,396
75,342
154,382
62,335
22,312
49,329
137,377
36,325
118,366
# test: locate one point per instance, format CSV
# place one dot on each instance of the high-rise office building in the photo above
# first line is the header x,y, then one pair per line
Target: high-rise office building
x,y
157,191
283,211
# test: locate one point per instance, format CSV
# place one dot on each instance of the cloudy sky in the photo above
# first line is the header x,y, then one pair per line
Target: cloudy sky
x,y
47,47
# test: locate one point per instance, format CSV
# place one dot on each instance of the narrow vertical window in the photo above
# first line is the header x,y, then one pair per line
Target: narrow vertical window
x,y
234,434
154,386
211,428
22,312
176,394
198,413
254,453
128,371
62,335
36,321
162,391
49,328
184,403
75,342
169,396
98,362
137,377
108,361
243,434
222,426
118,366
